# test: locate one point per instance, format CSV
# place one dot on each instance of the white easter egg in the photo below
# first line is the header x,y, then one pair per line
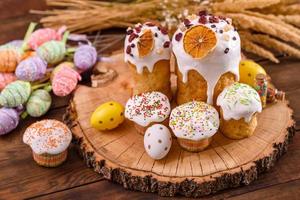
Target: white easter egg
x,y
157,141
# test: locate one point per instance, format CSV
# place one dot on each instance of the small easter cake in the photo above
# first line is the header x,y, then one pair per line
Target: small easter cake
x,y
194,123
239,104
49,140
147,109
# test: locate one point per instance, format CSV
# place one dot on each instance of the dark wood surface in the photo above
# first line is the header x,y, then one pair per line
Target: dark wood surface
x,y
21,178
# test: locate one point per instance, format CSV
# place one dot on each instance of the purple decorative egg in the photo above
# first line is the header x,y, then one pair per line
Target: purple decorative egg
x,y
85,57
31,69
9,120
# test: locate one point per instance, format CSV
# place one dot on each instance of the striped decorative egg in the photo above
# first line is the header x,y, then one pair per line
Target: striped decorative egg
x,y
52,52
64,79
31,69
85,57
40,36
10,57
6,78
38,103
9,120
15,94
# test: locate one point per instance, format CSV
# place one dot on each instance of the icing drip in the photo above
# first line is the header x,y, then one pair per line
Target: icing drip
x,y
225,57
194,120
161,47
147,108
48,136
239,101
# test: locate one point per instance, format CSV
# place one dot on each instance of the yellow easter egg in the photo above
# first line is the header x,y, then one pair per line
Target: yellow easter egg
x,y
249,70
107,116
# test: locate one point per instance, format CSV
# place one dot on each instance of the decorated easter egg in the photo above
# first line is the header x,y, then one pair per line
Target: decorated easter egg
x,y
9,120
10,56
85,57
15,94
52,52
107,116
157,141
40,36
64,79
38,103
31,69
6,78
249,70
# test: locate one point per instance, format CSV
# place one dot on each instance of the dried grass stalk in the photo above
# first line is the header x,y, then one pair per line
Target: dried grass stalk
x,y
265,26
272,43
238,5
291,19
251,47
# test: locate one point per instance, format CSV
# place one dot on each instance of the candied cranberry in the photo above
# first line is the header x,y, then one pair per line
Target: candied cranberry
x,y
178,36
138,29
203,12
202,19
186,22
132,37
213,19
164,31
128,49
226,50
167,44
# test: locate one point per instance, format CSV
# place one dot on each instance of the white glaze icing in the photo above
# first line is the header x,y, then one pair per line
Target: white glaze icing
x,y
48,136
157,141
194,120
148,107
159,52
239,101
217,62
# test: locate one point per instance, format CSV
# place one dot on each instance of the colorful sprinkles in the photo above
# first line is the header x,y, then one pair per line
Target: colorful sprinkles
x,y
148,107
194,120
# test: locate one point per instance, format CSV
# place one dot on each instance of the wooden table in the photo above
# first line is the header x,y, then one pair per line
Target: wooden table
x,y
21,178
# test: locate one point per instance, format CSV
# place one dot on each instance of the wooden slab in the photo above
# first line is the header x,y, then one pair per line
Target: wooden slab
x,y
119,154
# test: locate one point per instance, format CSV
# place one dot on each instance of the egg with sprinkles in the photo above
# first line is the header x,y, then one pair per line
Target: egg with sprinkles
x,y
107,116
157,141
39,103
15,94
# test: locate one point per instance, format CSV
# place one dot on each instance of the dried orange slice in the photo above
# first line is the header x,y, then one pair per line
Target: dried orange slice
x,y
145,43
199,41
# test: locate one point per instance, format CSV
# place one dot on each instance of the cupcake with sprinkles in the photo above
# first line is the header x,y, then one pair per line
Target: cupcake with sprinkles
x,y
239,104
49,141
147,109
207,51
147,52
194,123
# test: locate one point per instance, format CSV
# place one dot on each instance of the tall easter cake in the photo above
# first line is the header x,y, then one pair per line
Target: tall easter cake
x,y
207,51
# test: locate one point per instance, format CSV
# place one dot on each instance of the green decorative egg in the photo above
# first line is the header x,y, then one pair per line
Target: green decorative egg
x,y
15,94
52,52
39,103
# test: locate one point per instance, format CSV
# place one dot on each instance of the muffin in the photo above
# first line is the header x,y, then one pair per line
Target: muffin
x,y
49,140
147,52
207,51
239,104
194,123
147,109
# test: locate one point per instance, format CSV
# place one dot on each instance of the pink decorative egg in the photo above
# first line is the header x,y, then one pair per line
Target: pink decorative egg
x,y
6,78
64,79
41,36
